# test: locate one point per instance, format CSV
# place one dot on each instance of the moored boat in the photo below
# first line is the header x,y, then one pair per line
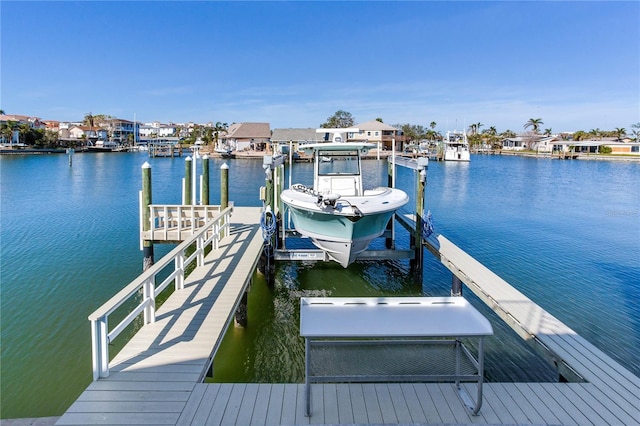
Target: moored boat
x,y
456,147
337,213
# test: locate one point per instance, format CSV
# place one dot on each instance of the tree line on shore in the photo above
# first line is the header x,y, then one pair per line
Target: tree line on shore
x,y
477,136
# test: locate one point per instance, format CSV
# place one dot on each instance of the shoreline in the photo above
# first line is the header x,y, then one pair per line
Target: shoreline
x,y
373,154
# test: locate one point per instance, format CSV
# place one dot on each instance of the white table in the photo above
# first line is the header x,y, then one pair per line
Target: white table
x,y
371,322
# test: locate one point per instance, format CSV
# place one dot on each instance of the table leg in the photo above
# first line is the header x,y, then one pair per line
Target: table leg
x,y
307,385
481,376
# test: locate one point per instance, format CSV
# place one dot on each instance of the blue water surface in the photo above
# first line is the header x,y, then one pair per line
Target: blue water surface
x,y
565,233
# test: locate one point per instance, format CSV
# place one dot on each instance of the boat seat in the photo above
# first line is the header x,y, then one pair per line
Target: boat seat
x,y
345,186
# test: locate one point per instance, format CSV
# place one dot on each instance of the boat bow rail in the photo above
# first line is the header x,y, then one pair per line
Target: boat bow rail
x,y
208,235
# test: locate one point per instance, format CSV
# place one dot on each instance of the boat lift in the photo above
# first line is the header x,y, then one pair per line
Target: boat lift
x,y
276,233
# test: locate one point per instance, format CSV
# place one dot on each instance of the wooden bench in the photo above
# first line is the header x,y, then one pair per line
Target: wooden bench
x,y
401,339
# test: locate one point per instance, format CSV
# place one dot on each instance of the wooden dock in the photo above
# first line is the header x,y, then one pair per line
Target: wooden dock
x,y
157,377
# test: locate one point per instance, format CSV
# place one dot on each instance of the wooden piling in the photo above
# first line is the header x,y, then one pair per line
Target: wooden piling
x,y
224,186
147,245
205,180
416,238
188,196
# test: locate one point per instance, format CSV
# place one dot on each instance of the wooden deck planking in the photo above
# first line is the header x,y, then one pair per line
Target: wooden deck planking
x,y
622,387
166,359
383,403
156,379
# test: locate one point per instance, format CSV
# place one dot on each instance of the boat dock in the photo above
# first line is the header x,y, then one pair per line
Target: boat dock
x,y
157,378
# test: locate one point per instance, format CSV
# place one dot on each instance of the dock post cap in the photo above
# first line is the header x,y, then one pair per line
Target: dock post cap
x,y
205,157
224,166
146,165
188,158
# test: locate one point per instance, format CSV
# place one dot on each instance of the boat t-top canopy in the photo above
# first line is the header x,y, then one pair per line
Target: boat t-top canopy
x,y
362,147
338,135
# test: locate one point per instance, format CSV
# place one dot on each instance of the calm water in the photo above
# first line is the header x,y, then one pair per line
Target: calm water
x,y
565,233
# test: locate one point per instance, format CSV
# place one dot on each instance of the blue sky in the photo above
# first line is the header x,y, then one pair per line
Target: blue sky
x,y
574,64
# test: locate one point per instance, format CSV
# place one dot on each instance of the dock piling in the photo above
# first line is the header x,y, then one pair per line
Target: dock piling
x,y
224,186
204,185
147,245
224,191
188,196
416,238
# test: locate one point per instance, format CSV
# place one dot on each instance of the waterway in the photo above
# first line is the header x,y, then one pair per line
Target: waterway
x,y
565,233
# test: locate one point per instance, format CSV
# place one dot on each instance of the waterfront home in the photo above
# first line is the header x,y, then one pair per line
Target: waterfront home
x,y
544,144
16,121
376,132
120,130
85,132
247,136
156,129
298,137
593,146
513,144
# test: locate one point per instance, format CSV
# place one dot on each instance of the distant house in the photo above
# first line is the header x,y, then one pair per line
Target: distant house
x,y
91,134
624,147
52,125
15,121
120,130
544,144
297,137
593,146
246,136
376,132
157,129
513,144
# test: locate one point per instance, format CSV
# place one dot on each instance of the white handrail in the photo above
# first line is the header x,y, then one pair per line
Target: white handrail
x,y
177,218
100,334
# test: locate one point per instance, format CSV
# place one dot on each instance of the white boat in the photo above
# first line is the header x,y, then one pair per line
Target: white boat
x,y
224,152
456,147
337,213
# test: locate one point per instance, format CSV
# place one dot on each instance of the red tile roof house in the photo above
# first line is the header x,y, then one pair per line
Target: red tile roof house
x,y
248,136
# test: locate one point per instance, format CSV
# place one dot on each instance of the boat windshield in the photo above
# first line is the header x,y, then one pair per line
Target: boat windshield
x,y
338,163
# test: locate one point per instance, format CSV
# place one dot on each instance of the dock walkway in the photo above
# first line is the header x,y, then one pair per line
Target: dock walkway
x,y
159,367
157,378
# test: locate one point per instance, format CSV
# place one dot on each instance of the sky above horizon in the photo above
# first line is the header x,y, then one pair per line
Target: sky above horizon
x,y
575,65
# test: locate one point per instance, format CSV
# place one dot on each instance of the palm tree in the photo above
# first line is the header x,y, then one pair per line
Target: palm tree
x,y
508,134
24,129
432,125
217,129
534,123
547,132
620,132
89,119
6,132
474,129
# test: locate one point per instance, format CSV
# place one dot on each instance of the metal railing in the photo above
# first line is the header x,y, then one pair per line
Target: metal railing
x,y
209,234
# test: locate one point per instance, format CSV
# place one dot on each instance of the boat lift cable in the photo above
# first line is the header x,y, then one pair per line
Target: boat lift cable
x,y
267,225
427,225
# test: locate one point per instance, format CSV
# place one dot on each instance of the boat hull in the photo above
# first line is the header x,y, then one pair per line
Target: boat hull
x,y
456,155
343,231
